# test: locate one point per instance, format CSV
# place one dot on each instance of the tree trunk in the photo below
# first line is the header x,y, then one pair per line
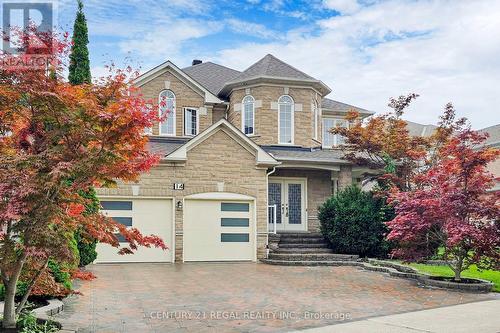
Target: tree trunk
x,y
9,314
458,269
9,310
23,301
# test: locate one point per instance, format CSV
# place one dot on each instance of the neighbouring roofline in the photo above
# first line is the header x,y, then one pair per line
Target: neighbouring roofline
x,y
261,156
160,69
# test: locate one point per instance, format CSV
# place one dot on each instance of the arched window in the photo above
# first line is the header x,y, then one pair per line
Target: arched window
x,y
248,115
285,119
167,112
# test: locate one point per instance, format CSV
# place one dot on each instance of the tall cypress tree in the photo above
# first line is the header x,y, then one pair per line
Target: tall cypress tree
x,y
79,66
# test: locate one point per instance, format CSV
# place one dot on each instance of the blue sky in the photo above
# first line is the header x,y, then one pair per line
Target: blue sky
x,y
365,50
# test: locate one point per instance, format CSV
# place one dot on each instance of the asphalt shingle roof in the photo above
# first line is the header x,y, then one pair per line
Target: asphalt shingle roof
x,y
416,129
330,104
164,146
305,154
212,76
272,67
494,134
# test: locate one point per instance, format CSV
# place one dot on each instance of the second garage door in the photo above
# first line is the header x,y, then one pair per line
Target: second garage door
x,y
218,230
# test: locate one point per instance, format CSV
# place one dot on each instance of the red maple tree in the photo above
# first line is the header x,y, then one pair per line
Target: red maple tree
x,y
451,207
57,139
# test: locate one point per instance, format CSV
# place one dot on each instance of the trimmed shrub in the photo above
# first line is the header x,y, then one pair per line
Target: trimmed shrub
x,y
87,247
353,223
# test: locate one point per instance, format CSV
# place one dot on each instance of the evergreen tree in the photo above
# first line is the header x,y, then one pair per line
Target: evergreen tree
x,y
79,67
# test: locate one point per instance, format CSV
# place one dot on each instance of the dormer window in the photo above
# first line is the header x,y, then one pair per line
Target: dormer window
x,y
285,120
333,140
167,112
248,115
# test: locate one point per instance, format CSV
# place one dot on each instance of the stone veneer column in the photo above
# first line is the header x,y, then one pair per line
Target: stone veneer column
x,y
345,176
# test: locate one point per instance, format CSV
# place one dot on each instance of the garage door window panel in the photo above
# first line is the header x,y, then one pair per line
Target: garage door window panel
x,y
116,205
234,222
126,221
234,238
235,207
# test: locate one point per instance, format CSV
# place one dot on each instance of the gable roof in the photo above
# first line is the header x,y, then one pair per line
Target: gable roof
x,y
170,66
211,76
416,129
494,135
274,69
261,156
328,104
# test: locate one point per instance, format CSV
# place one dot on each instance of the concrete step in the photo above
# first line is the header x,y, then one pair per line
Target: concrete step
x,y
323,245
303,250
311,263
300,235
312,256
309,240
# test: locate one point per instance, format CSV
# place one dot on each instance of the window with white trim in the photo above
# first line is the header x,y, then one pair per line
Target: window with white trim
x,y
191,122
316,120
329,139
167,112
285,119
248,115
147,110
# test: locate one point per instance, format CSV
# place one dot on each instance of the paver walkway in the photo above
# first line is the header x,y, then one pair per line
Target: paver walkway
x,y
241,297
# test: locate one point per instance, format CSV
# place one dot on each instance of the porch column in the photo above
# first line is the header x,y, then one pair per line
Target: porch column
x,y
345,176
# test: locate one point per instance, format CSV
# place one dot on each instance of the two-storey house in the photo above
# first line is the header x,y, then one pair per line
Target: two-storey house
x,y
243,154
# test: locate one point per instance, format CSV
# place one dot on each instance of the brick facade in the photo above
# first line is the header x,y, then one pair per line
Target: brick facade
x,y
266,113
185,96
218,159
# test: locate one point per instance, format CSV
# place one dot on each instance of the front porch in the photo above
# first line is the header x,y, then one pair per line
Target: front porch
x,y
295,193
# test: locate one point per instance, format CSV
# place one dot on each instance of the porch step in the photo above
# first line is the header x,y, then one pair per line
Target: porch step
x,y
323,245
303,250
312,257
308,240
303,234
311,263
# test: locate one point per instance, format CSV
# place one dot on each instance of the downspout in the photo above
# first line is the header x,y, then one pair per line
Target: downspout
x,y
273,170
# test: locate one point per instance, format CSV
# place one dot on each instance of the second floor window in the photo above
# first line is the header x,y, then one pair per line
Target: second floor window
x,y
285,120
329,139
248,115
167,112
191,123
316,120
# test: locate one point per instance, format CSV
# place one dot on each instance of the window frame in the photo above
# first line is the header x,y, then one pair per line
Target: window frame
x,y
174,114
335,143
243,112
316,120
197,120
148,130
292,120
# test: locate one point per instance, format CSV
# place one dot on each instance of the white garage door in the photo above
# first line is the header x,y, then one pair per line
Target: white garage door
x,y
150,216
218,230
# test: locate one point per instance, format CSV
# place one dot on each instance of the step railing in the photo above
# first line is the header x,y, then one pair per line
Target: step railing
x,y
271,226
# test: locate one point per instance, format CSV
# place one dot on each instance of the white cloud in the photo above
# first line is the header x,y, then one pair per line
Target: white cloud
x,y
443,50
342,6
251,29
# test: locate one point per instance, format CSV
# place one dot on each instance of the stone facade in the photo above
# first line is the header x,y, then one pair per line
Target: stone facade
x,y
185,96
219,159
266,113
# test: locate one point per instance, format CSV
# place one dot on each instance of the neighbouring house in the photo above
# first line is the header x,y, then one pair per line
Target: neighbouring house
x,y
242,153
494,142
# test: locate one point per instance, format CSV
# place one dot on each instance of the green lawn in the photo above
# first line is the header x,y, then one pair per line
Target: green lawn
x,y
472,272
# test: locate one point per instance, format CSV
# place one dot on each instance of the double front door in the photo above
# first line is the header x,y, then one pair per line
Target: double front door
x,y
288,196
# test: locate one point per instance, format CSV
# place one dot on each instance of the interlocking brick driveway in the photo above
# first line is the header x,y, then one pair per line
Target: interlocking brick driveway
x,y
154,297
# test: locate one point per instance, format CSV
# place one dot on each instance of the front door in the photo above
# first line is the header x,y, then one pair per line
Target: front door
x,y
289,197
